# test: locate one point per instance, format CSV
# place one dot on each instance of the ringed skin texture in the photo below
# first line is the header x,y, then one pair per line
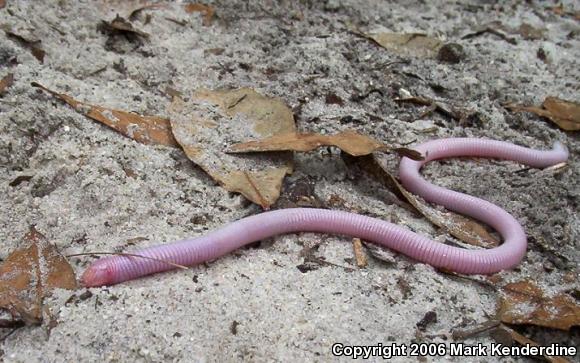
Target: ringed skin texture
x,y
189,252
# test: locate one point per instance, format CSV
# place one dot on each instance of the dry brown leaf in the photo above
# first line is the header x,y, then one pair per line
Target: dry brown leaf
x,y
121,25
151,130
213,118
465,229
207,11
524,302
6,82
350,142
28,275
2,4
524,340
565,114
409,44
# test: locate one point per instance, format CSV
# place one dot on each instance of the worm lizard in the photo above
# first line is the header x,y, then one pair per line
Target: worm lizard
x,y
188,252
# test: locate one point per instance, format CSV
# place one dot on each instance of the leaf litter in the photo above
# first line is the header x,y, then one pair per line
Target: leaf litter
x,y
211,120
405,44
565,114
523,302
120,26
29,275
351,142
207,12
28,42
150,130
239,111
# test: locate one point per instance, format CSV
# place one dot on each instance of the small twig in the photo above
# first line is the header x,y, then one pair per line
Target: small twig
x,y
359,254
491,31
556,168
464,334
129,255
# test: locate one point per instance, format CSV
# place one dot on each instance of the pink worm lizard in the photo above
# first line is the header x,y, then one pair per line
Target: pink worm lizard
x,y
188,252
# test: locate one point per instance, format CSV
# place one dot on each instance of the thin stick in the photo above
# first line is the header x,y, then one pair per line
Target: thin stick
x,y
130,255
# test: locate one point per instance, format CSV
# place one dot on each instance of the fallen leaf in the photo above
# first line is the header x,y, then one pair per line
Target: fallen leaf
x,y
212,119
32,45
350,142
151,130
30,274
409,44
207,11
2,4
522,340
524,302
120,25
565,114
463,228
6,82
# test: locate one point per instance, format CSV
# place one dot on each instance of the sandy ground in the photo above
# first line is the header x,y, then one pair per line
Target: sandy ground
x,y
256,305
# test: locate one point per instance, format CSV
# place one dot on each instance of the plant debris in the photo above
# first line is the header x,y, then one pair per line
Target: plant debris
x,y
491,29
6,82
406,44
514,336
32,45
524,302
565,114
359,253
150,130
120,26
207,11
351,142
432,106
211,119
29,275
